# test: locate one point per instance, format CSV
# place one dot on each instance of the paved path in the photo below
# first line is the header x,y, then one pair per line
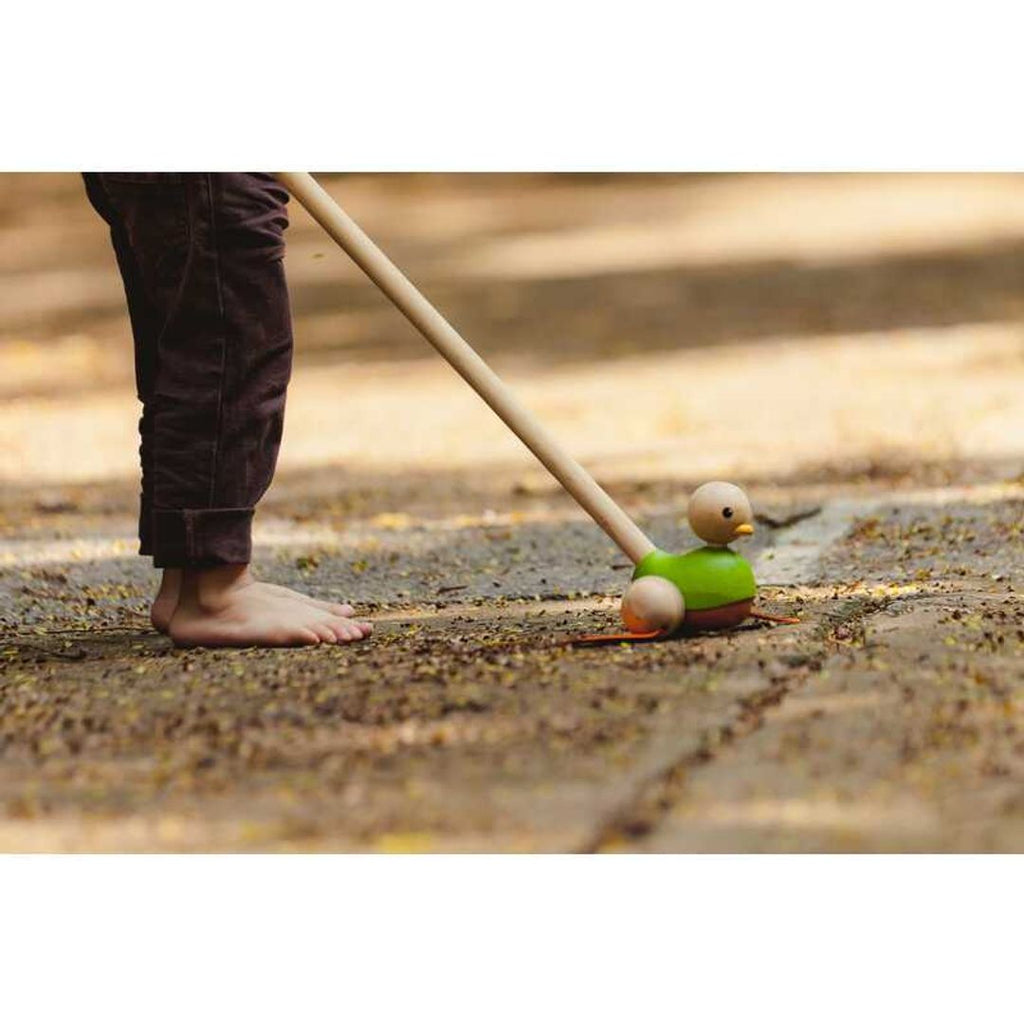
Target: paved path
x,y
889,719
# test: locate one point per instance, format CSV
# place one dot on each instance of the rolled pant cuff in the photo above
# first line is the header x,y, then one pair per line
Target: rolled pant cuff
x,y
201,538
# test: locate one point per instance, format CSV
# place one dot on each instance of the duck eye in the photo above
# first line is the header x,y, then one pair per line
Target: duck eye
x,y
727,512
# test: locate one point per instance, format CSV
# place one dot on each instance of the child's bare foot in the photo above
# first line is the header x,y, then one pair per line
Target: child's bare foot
x,y
226,607
166,600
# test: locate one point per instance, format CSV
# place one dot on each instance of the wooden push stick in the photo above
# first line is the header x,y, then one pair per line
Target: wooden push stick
x,y
480,377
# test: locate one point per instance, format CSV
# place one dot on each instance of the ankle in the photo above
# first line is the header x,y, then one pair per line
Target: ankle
x,y
207,589
170,582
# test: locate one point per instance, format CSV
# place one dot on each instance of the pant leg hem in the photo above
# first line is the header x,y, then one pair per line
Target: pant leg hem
x,y
202,538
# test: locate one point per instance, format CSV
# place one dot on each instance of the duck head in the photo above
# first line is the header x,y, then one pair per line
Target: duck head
x,y
720,513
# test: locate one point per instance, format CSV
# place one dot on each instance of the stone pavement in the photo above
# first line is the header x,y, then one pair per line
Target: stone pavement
x,y
889,719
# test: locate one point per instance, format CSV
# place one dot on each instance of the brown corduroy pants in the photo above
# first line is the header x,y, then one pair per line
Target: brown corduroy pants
x,y
201,257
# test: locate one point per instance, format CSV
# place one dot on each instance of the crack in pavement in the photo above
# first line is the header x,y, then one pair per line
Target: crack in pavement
x,y
793,559
655,797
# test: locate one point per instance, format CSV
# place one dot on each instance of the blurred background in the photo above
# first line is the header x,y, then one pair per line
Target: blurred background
x,y
804,331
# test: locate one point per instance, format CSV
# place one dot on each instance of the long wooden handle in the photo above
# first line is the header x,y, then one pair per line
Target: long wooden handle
x,y
484,381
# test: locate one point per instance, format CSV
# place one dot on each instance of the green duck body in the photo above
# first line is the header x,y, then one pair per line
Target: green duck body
x,y
717,585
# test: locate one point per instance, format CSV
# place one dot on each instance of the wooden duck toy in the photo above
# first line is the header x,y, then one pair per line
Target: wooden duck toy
x,y
710,587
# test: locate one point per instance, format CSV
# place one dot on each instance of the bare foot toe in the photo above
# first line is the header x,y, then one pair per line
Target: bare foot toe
x,y
349,632
346,611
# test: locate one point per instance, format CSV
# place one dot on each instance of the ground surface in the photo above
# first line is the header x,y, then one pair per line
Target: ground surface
x,y
848,349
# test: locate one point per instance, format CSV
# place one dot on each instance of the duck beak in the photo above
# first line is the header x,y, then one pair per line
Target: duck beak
x,y
744,530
